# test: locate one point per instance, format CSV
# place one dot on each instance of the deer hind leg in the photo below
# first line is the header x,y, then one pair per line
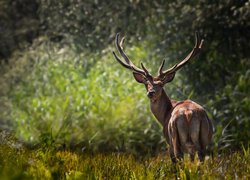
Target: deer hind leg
x,y
185,133
200,151
201,154
194,134
175,149
205,137
171,153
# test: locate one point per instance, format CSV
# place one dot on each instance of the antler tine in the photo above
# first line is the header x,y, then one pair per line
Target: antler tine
x,y
196,49
161,67
122,41
128,64
145,70
121,62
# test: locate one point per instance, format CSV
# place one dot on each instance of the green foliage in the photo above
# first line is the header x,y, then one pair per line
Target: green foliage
x,y
234,117
48,163
59,101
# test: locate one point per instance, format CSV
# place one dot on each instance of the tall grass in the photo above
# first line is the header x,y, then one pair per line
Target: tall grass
x,y
18,162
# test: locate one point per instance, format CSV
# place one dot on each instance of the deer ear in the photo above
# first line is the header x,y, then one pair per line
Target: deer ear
x,y
168,78
139,78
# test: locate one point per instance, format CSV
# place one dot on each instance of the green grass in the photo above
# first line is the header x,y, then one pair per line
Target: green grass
x,y
18,162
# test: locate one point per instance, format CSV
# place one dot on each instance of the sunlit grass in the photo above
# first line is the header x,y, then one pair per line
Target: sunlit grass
x,y
18,162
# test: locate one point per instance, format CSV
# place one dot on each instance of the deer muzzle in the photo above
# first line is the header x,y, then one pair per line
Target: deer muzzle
x,y
151,94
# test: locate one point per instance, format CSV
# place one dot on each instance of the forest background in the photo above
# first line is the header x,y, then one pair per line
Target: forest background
x,y
61,87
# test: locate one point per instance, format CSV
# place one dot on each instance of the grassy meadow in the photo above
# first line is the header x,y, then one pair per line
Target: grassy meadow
x,y
69,110
18,162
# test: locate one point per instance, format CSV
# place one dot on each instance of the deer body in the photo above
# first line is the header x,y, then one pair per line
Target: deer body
x,y
186,125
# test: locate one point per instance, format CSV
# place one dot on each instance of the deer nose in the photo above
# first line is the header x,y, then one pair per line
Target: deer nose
x,y
151,94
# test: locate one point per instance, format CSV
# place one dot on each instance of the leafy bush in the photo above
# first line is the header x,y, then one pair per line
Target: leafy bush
x,y
234,117
60,100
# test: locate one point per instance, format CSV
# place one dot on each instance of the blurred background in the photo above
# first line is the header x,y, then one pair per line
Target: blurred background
x,y
61,86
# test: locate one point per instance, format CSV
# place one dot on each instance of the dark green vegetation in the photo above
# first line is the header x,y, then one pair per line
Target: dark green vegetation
x,y
61,88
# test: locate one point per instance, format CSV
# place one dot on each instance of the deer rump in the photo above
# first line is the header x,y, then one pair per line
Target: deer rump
x,y
189,130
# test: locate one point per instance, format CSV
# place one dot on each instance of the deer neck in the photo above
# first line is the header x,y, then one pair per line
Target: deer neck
x,y
161,108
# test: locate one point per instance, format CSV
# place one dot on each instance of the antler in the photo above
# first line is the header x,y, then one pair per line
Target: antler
x,y
128,64
196,49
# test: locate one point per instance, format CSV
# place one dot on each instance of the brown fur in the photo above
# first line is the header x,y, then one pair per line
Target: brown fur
x,y
185,124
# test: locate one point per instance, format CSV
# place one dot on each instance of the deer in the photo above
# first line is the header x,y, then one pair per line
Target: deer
x,y
186,126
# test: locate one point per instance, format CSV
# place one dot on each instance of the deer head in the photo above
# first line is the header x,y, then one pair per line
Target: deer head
x,y
154,85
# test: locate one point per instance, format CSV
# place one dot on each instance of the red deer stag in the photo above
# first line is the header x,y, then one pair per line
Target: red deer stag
x,y
186,125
